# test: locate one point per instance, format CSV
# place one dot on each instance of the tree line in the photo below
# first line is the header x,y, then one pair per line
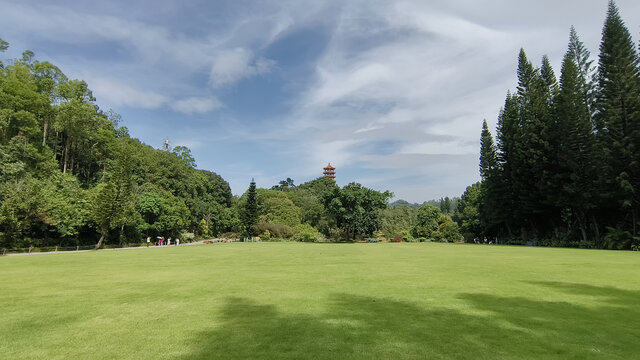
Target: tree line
x,y
564,168
320,210
71,175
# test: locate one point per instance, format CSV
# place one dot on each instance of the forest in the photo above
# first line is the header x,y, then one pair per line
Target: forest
x,y
71,175
564,167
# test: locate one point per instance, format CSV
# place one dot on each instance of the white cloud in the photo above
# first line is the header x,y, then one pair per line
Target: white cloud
x,y
426,70
399,90
119,94
231,66
196,105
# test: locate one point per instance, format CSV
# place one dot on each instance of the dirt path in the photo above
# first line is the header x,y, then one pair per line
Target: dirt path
x,y
112,249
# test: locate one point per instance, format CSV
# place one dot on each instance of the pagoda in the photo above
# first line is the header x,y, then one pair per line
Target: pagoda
x,y
330,172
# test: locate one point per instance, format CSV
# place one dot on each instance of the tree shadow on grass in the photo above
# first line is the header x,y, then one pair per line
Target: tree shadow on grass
x,y
360,327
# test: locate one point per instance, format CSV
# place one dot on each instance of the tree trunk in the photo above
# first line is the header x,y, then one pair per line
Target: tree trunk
x,y
509,232
71,159
583,226
102,237
55,147
634,215
67,146
44,131
596,241
523,235
121,232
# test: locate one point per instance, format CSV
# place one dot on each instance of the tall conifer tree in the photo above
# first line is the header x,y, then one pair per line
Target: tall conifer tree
x,y
490,173
250,216
532,154
618,113
576,192
581,58
500,205
488,159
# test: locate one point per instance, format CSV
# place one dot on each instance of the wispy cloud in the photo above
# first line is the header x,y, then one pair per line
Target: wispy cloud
x,y
393,96
196,105
120,94
231,66
419,67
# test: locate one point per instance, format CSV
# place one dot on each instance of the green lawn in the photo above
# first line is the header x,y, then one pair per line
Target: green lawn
x,y
324,301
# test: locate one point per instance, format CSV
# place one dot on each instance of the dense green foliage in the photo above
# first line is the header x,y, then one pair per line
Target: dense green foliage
x,y
468,211
566,168
70,175
355,301
355,209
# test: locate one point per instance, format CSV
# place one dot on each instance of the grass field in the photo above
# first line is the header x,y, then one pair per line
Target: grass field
x,y
322,301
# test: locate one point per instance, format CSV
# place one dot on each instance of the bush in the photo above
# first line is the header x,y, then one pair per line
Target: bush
x,y
468,237
275,230
617,239
229,235
307,233
448,232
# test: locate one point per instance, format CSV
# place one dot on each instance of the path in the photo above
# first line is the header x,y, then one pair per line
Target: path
x,y
111,249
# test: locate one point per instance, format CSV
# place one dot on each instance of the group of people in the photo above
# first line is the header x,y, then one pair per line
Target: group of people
x,y
478,241
160,241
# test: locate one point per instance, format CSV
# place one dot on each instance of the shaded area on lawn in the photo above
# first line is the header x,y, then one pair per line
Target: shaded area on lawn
x,y
365,327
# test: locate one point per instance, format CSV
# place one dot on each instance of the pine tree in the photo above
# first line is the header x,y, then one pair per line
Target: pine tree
x,y
250,216
581,58
547,164
576,192
549,80
618,113
499,206
488,160
531,168
489,172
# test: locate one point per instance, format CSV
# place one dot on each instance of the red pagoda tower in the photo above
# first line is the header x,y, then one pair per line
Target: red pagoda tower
x,y
330,172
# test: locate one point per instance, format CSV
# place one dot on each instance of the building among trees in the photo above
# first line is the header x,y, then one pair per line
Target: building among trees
x,y
329,172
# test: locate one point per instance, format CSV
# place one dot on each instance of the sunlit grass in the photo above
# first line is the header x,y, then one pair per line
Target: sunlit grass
x,y
327,301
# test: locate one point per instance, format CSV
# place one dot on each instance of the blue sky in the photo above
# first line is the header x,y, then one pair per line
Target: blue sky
x,y
392,93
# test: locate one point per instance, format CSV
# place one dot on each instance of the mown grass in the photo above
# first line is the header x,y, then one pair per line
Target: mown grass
x,y
322,301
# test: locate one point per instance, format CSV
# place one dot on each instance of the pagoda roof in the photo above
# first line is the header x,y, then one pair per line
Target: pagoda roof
x,y
330,167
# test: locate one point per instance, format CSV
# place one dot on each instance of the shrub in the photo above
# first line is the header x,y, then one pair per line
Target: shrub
x,y
617,239
229,235
448,232
307,233
275,230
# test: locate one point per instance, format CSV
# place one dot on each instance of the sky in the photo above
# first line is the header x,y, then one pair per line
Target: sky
x,y
391,93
